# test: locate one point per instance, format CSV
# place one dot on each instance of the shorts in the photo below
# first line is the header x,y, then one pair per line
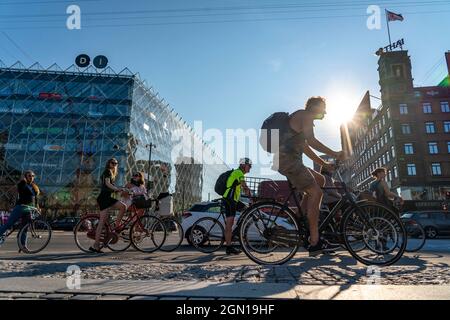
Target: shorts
x,y
297,173
105,201
230,207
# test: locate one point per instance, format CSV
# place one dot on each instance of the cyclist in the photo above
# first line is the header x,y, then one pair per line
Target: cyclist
x,y
298,138
28,192
231,197
380,190
105,200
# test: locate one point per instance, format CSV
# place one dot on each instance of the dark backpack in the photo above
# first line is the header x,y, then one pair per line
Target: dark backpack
x,y
221,184
277,121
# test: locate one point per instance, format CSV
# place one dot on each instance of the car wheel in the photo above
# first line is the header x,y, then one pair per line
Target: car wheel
x,y
199,236
431,232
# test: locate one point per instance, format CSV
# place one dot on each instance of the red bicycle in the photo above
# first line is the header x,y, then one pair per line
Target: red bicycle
x,y
145,232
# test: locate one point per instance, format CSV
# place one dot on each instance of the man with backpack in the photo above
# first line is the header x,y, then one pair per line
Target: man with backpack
x,y
229,185
288,136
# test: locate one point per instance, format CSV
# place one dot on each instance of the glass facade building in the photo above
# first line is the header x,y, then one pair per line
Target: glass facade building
x,y
65,124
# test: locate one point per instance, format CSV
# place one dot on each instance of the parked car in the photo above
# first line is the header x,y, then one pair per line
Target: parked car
x,y
435,222
64,224
212,209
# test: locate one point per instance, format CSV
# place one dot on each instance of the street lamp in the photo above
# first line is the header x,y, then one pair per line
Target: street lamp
x,y
150,146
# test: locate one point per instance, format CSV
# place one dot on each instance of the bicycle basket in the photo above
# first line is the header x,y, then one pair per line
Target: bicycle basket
x,y
141,202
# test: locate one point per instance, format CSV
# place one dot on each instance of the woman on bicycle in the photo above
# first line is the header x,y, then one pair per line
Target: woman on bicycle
x,y
380,190
28,192
105,200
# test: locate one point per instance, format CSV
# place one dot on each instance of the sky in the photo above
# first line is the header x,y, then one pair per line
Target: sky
x,y
229,63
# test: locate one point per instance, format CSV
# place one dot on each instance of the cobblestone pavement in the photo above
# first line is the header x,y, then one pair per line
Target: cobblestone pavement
x,y
316,272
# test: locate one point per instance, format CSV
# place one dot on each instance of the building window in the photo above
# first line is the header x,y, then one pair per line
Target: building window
x,y
388,157
411,169
403,108
406,129
436,169
393,152
426,107
383,119
385,138
391,134
395,172
448,146
409,148
446,126
445,107
429,127
388,113
433,148
389,175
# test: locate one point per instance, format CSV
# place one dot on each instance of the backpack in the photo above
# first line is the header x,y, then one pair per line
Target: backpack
x,y
221,183
277,121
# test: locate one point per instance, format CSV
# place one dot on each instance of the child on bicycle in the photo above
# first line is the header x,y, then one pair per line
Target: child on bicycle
x,y
136,188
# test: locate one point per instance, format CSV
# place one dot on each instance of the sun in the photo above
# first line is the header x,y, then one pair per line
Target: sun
x,y
341,106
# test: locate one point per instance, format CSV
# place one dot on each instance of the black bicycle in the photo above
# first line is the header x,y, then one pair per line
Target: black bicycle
x,y
271,233
34,233
208,234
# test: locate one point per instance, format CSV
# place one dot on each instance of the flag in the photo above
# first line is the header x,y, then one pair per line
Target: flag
x,y
391,16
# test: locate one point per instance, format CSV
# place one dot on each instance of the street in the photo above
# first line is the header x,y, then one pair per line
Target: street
x,y
429,267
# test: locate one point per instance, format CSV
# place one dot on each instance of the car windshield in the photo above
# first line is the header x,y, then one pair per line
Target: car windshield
x,y
407,215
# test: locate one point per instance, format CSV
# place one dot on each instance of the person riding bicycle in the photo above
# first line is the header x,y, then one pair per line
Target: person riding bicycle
x,y
28,192
135,188
380,190
297,138
105,200
231,198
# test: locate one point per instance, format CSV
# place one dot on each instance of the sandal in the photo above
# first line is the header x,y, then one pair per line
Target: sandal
x,y
92,249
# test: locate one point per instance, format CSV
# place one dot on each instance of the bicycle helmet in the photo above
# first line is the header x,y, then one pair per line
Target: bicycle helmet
x,y
245,161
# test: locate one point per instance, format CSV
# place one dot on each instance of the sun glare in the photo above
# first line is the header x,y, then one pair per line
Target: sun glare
x,y
341,106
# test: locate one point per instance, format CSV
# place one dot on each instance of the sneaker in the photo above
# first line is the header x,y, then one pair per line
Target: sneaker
x,y
321,247
2,239
232,250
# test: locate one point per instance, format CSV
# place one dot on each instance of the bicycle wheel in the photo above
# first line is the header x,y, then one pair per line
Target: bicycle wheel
x,y
380,229
269,233
416,236
85,230
147,234
207,235
120,241
34,236
174,234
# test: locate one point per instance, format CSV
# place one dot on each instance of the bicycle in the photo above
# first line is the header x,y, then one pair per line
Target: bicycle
x,y
208,234
371,232
32,229
416,236
144,232
174,231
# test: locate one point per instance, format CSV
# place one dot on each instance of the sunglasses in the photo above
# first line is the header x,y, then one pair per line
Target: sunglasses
x,y
114,163
30,176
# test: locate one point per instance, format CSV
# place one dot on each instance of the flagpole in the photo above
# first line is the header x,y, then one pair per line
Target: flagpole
x,y
389,31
